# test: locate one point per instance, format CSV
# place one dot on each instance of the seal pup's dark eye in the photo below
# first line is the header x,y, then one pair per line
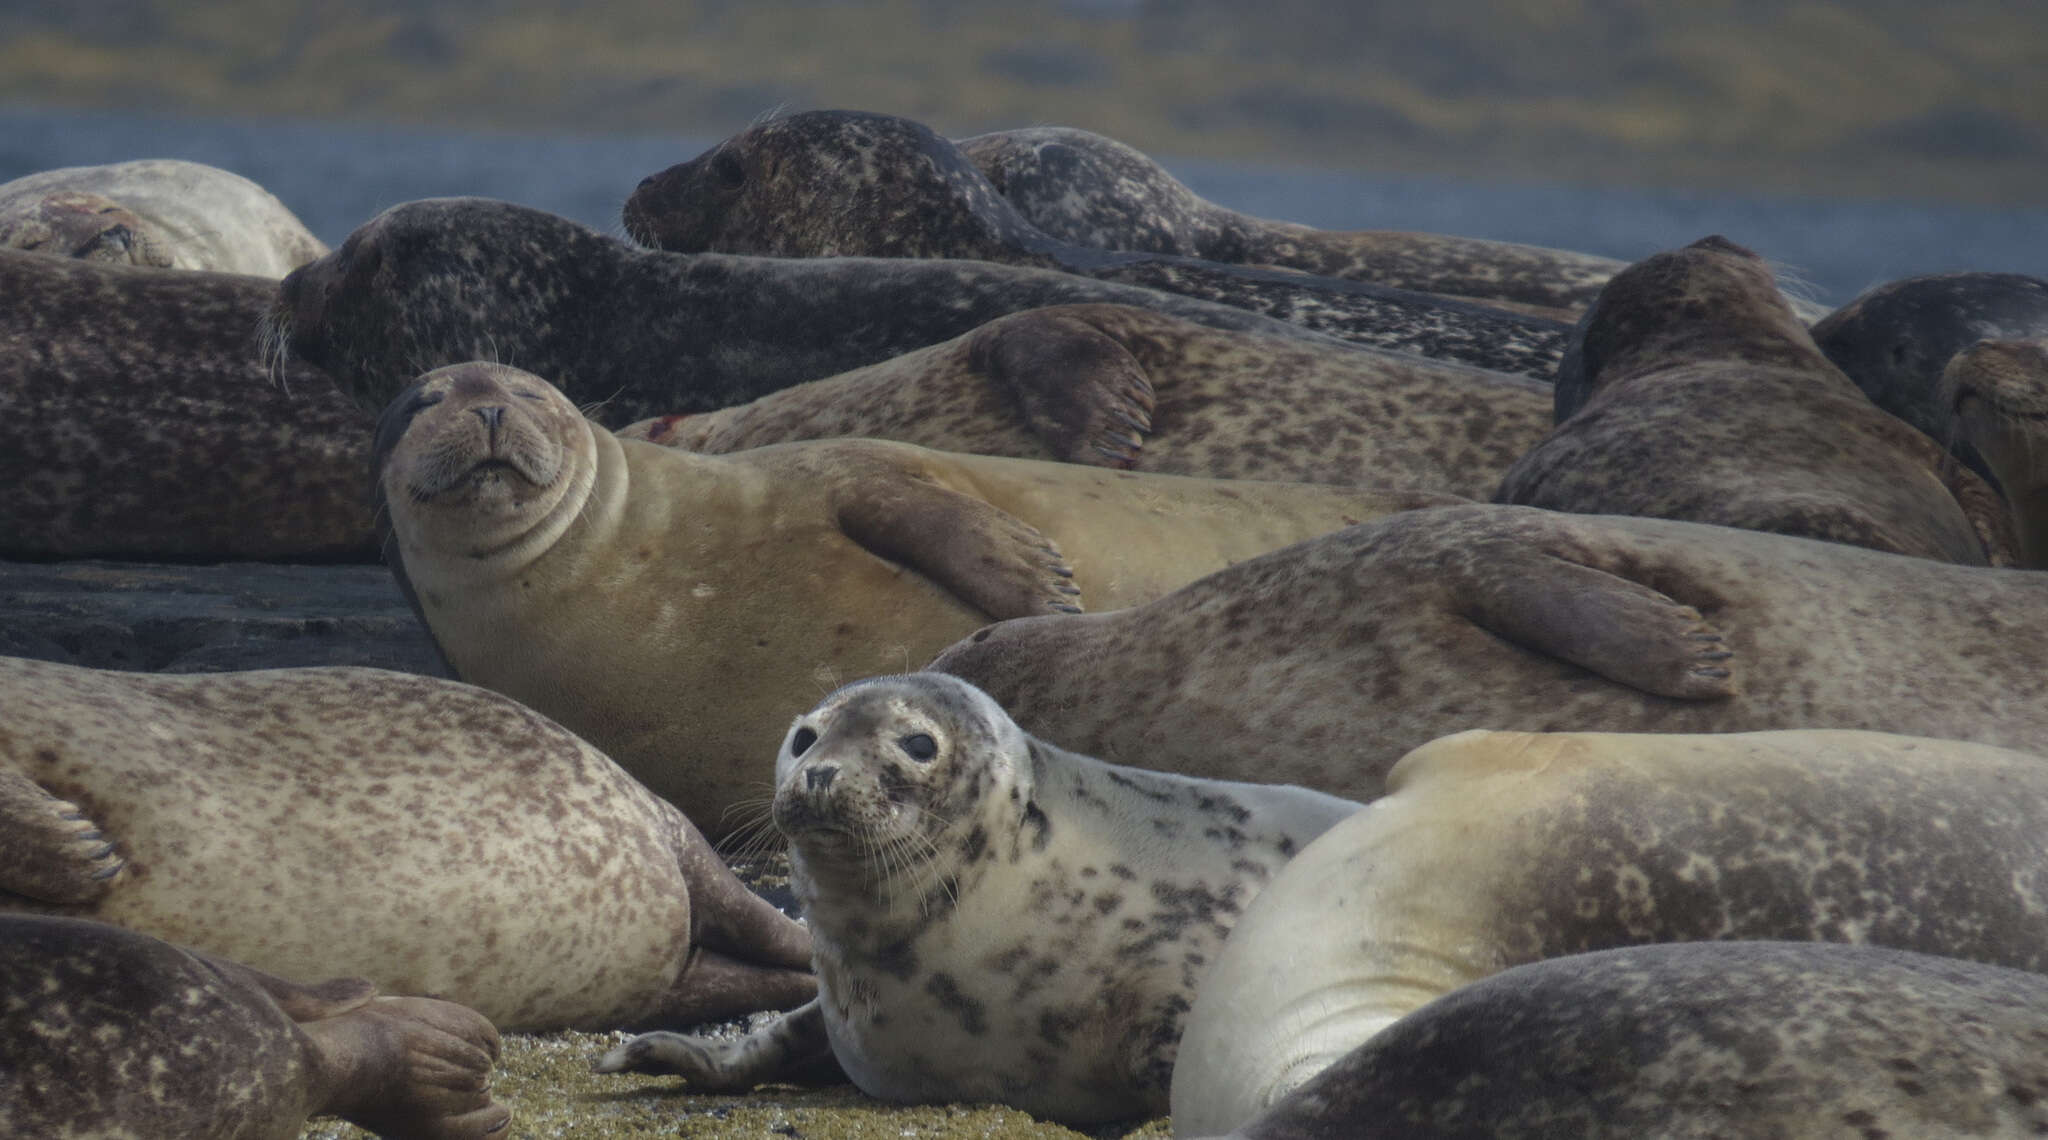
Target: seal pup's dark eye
x,y
727,169
801,742
921,747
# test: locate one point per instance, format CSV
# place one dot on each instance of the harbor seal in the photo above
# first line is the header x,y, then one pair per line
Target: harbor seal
x,y
997,919
162,212
138,420
637,333
1494,849
1322,663
1698,1039
105,1032
722,592
1116,386
433,837
855,184
1997,393
1692,392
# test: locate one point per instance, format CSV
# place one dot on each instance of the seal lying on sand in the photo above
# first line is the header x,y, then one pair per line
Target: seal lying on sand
x,y
1115,386
105,1032
1321,664
137,420
1492,849
1692,392
1699,1039
162,212
717,594
923,825
853,184
431,836
1997,391
439,282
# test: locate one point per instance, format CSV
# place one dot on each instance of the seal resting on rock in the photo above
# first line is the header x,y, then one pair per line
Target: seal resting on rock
x,y
1322,663
855,184
1698,1039
429,835
1494,849
105,1032
1116,386
721,592
1997,391
162,212
995,918
1691,392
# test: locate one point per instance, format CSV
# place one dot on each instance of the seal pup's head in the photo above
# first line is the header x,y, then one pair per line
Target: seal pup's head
x,y
1996,392
81,224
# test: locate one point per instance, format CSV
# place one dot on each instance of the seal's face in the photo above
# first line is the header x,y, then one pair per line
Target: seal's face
x,y
76,223
1998,393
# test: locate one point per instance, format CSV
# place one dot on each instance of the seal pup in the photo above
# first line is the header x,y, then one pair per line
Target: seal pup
x,y
856,184
162,212
138,420
1692,392
721,592
1115,386
1322,663
640,332
105,1032
1493,849
1699,1039
429,835
1997,393
922,825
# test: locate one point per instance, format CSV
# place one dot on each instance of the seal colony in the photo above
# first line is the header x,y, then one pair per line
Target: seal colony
x,y
922,824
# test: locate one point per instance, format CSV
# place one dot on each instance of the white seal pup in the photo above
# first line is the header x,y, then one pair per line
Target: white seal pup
x,y
995,918
162,212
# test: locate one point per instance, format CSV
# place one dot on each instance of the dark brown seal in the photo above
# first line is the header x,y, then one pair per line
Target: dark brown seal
x,y
847,183
1691,391
1997,395
138,420
104,1032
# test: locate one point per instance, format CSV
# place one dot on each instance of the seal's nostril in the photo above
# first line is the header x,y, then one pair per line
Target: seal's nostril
x,y
492,415
818,779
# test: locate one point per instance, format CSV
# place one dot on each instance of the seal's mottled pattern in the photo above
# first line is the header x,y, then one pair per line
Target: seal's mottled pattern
x,y
1997,393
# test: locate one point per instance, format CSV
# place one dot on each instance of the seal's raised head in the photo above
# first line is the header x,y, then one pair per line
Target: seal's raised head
x,y
1996,392
81,224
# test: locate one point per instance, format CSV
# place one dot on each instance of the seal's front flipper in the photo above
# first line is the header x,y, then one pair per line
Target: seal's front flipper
x,y
1622,630
790,1047
1080,390
714,987
990,559
49,849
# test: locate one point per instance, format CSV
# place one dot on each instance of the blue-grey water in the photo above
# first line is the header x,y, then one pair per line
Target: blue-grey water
x,y
336,175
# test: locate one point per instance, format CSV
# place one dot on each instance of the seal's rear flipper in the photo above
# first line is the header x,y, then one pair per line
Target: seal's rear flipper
x,y
49,849
714,987
299,1000
990,559
410,1067
793,1046
1622,630
1080,390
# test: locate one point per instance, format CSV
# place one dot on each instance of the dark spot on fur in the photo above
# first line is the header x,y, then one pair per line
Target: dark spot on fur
x,y
973,1016
1042,827
897,960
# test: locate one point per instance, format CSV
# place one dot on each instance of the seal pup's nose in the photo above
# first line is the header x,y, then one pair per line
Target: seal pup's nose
x,y
818,779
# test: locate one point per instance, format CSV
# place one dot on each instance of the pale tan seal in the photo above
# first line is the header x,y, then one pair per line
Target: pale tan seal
x,y
428,835
161,212
1691,391
106,1033
995,918
1747,1039
1495,849
721,593
1117,386
1322,663
1996,396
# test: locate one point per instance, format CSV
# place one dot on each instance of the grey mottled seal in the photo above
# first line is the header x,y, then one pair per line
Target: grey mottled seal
x,y
161,212
997,919
637,333
722,593
105,1032
1322,663
433,837
138,420
1117,386
1692,392
1747,1039
1997,395
850,183
1493,849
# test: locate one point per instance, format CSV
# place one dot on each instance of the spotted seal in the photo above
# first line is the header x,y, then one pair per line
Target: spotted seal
x,y
1699,1039
849,183
1117,386
722,592
138,420
1494,849
161,212
433,837
1692,392
1322,663
923,826
1997,393
105,1032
